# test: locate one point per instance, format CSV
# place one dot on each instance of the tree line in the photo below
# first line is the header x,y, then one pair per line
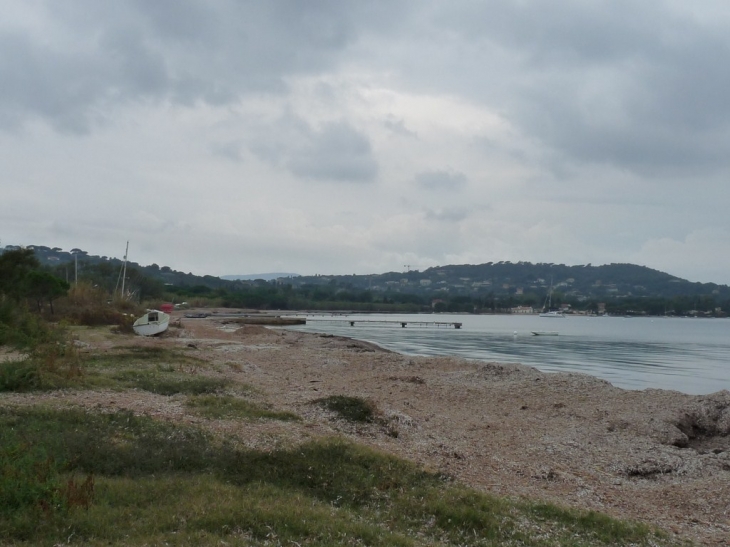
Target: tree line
x,y
23,278
278,295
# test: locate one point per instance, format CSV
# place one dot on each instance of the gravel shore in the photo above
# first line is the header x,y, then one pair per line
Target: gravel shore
x,y
656,456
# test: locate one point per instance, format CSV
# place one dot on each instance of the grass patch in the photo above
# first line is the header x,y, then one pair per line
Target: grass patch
x,y
155,369
218,407
591,523
57,364
49,366
20,376
60,366
107,444
352,409
155,483
28,477
202,510
146,357
169,383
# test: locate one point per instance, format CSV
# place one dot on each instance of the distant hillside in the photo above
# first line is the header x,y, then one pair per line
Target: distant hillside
x,y
56,256
64,263
523,280
264,276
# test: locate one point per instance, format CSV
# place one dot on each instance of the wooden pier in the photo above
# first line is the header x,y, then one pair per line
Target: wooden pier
x,y
403,324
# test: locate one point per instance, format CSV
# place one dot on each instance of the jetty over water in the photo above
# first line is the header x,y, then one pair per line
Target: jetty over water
x,y
294,318
387,322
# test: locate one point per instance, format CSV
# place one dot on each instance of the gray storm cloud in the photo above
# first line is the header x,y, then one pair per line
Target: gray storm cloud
x,y
590,132
441,180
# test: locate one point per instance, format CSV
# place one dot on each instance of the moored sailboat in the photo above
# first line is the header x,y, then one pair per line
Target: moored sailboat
x,y
546,311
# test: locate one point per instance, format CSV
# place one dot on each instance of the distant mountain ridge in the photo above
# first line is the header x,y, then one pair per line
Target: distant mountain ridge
x,y
522,278
518,279
265,276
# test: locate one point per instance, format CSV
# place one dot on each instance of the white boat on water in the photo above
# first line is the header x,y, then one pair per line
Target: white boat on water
x,y
552,313
151,323
547,312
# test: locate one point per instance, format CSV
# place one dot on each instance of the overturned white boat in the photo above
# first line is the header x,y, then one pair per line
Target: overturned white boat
x,y
151,323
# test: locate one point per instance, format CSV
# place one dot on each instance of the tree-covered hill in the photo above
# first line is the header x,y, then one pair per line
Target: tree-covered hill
x,y
149,281
482,288
523,278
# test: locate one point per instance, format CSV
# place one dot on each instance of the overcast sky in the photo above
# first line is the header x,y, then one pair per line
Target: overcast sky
x,y
231,137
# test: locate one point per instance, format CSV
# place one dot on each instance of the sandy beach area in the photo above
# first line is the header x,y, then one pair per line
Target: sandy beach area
x,y
661,457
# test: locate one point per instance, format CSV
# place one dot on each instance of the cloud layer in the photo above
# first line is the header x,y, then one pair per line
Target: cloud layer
x,y
327,137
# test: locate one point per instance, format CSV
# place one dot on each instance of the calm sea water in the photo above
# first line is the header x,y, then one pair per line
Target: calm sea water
x,y
683,354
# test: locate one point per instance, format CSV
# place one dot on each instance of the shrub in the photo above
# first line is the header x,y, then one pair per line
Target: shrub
x,y
90,306
353,409
21,329
123,324
19,376
47,366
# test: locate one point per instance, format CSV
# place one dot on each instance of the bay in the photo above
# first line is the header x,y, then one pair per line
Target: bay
x,y
683,354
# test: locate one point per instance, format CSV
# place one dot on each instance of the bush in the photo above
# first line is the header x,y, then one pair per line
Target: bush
x,y
48,366
353,409
19,376
21,329
124,324
90,306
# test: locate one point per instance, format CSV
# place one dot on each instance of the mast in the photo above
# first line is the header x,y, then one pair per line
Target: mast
x,y
549,299
124,268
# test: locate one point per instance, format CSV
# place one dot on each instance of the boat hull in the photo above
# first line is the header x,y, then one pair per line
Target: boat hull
x,y
152,323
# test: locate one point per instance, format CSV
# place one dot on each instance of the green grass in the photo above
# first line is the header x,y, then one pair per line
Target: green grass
x,y
146,356
158,370
20,376
168,383
155,483
225,406
352,409
53,365
27,476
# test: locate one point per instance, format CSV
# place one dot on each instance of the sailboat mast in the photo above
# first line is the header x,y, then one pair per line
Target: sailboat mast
x,y
549,299
124,269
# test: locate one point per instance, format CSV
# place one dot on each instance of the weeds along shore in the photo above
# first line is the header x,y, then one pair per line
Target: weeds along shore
x,y
237,436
